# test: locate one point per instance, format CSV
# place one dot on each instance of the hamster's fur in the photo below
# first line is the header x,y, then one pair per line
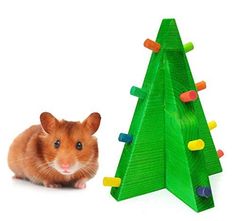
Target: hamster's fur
x,y
56,153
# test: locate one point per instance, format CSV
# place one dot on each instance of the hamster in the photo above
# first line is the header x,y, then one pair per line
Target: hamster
x,y
56,153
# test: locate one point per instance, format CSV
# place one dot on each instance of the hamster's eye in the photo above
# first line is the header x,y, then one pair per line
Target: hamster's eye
x,y
57,144
79,145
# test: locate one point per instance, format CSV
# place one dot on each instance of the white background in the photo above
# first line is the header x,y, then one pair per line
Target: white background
x,y
75,57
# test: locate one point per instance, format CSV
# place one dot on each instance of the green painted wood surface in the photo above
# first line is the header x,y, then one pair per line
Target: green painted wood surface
x,y
185,169
142,163
162,125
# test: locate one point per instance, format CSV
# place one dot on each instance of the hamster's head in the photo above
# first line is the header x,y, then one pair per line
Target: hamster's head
x,y
69,147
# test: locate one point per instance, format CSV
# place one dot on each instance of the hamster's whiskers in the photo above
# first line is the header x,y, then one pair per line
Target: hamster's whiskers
x,y
43,168
42,165
46,169
85,171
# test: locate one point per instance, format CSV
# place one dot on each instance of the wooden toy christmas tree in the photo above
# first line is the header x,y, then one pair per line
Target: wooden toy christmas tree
x,y
169,144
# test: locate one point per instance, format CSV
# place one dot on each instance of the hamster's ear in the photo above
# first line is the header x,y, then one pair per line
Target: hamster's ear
x,y
92,122
48,122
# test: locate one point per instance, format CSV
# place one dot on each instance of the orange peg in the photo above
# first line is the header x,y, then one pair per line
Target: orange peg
x,y
152,45
201,85
188,96
220,153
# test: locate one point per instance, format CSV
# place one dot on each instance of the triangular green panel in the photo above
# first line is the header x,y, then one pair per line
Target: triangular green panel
x,y
142,164
162,126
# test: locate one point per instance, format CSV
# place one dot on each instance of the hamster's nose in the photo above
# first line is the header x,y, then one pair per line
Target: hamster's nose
x,y
65,166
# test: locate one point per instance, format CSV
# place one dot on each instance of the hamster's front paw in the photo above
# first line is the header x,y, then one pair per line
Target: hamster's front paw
x,y
51,185
18,177
80,184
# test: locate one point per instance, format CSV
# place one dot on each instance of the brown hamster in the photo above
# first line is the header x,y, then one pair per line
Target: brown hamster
x,y
56,153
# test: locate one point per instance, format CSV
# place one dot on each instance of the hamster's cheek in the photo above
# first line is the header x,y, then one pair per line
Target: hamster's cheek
x,y
49,153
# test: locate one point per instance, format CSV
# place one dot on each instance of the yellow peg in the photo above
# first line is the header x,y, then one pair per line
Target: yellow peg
x,y
112,181
212,125
196,145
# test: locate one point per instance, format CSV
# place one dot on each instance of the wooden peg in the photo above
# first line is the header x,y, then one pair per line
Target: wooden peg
x,y
212,125
188,96
137,92
152,45
200,85
195,145
126,138
204,192
112,181
220,153
188,47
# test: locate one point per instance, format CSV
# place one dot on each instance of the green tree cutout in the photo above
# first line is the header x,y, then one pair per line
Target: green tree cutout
x,y
169,144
